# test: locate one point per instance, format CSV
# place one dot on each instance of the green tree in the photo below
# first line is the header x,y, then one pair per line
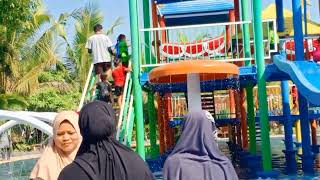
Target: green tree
x,y
14,14
28,43
58,91
12,101
53,100
30,48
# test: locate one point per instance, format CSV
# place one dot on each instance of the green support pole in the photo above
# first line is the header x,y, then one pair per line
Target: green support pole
x,y
152,124
249,90
262,92
137,91
146,23
246,31
251,121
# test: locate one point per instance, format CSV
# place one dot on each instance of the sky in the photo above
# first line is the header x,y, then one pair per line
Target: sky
x,y
111,9
312,8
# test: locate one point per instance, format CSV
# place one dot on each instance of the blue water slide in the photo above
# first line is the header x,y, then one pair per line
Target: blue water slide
x,y
305,74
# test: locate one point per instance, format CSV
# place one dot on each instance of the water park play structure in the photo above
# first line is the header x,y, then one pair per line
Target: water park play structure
x,y
165,45
175,62
210,54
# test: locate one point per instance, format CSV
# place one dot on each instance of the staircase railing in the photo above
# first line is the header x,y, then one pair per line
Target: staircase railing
x,y
129,126
126,114
90,80
124,105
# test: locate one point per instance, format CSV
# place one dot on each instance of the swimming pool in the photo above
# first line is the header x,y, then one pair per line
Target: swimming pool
x,y
20,170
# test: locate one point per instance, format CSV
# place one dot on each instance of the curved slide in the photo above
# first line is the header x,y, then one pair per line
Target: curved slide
x,y
305,74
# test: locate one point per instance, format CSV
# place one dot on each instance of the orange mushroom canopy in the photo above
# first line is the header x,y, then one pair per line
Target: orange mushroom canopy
x,y
207,69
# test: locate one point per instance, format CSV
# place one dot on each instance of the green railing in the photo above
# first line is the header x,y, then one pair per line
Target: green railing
x,y
86,93
129,126
123,119
126,117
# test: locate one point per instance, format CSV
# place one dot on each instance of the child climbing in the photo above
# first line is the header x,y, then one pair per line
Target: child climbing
x,y
104,89
119,77
122,53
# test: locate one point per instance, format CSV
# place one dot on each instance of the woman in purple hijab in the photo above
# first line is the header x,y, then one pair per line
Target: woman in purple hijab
x,y
196,155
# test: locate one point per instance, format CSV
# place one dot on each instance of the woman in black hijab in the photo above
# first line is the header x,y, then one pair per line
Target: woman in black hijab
x,y
100,157
196,155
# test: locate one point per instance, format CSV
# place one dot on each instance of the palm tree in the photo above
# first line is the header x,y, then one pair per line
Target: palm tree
x,y
27,51
90,15
12,101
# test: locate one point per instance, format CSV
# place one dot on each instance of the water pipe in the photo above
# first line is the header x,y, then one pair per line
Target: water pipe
x,y
262,95
137,91
307,158
152,125
244,128
249,89
155,25
280,17
147,36
291,164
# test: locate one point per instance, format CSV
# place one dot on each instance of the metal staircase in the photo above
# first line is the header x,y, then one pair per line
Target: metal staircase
x,y
124,114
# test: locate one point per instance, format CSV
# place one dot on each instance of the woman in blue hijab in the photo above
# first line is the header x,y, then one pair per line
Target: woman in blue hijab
x,y
196,155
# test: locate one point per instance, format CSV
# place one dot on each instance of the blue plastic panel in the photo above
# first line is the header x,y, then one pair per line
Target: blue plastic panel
x,y
305,74
195,6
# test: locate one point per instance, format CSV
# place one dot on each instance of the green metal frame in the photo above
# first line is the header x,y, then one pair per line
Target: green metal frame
x,y
125,112
262,92
249,90
152,124
137,91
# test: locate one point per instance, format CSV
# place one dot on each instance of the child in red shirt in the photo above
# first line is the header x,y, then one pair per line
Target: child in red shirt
x,y
119,77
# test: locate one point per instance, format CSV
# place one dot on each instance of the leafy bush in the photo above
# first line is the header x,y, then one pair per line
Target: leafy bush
x,y
51,100
22,147
58,74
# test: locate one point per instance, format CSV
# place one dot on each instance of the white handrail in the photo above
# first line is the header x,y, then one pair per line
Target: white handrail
x,y
130,113
84,92
125,91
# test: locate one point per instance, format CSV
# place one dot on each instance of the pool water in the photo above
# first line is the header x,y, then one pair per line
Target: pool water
x,y
20,170
278,162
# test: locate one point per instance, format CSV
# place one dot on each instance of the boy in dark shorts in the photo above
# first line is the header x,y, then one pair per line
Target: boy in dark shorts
x,y
104,89
100,46
119,77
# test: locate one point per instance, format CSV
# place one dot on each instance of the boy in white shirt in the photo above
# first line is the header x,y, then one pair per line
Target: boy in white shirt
x,y
100,46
